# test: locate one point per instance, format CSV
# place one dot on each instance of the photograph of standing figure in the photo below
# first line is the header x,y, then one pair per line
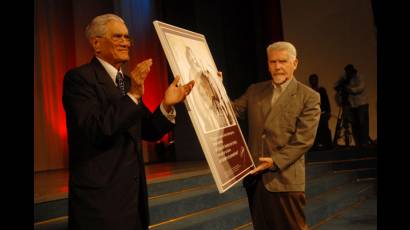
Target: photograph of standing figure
x,y
213,110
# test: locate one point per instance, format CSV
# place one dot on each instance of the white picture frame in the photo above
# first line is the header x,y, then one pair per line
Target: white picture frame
x,y
208,105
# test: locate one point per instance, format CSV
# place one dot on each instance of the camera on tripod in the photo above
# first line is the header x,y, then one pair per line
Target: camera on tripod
x,y
342,94
342,130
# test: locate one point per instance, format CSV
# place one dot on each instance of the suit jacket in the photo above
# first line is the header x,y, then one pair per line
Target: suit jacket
x,y
284,131
107,185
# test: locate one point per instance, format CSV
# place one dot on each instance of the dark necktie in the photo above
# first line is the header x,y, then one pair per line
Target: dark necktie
x,y
119,79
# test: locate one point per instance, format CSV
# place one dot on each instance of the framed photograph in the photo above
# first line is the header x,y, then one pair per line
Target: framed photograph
x,y
208,105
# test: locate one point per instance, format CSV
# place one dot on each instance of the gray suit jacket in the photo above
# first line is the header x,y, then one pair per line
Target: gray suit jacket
x,y
284,132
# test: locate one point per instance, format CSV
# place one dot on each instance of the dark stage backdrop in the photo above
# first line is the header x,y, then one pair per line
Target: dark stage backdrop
x,y
237,34
335,34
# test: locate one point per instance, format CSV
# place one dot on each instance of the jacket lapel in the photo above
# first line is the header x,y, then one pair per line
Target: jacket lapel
x,y
112,92
266,98
283,101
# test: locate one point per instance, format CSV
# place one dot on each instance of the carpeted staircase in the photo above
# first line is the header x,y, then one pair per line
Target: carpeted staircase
x,y
336,180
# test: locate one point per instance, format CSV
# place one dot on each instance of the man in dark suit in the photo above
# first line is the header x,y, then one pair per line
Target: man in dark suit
x,y
106,121
283,116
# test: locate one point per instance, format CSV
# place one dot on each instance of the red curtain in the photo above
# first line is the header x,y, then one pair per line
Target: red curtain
x,y
59,45
53,56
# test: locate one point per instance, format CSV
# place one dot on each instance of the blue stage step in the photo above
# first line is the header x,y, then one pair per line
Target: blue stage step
x,y
342,154
362,215
181,203
316,188
189,180
157,187
225,216
324,205
321,207
191,201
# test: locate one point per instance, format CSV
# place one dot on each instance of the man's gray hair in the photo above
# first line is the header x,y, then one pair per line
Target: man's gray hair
x,y
97,26
283,46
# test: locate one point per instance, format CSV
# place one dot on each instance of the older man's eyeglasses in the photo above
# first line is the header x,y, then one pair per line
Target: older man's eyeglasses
x,y
119,38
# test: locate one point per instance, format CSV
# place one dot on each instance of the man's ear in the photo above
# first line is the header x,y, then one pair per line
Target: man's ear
x,y
96,44
295,63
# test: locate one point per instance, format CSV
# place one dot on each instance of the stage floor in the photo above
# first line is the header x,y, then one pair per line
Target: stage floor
x,y
53,185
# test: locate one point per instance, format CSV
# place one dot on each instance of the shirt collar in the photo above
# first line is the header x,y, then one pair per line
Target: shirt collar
x,y
111,70
283,86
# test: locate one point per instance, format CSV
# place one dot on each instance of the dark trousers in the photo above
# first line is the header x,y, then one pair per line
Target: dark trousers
x,y
275,210
360,124
323,137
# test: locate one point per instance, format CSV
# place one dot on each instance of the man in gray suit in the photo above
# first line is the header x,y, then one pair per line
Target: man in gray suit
x,y
283,116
